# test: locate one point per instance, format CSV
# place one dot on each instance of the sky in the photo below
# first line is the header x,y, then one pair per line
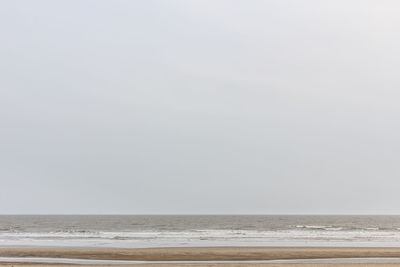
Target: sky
x,y
199,107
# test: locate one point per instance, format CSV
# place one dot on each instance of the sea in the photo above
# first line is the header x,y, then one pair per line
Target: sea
x,y
137,231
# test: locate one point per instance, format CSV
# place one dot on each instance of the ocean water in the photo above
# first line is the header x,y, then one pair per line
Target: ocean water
x,y
198,230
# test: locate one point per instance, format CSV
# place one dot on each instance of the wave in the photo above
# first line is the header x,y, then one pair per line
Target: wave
x,y
320,227
300,234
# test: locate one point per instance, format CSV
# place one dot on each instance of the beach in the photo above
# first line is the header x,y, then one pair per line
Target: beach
x,y
161,256
202,253
219,265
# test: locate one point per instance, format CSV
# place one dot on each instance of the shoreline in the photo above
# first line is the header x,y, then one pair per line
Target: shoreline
x,y
201,253
206,256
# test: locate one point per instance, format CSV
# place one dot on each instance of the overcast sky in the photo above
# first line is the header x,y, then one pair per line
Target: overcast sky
x,y
144,107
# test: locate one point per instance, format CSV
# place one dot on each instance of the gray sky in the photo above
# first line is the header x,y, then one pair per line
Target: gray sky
x,y
199,106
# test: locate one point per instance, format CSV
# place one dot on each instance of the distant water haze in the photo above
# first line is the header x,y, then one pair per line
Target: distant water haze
x,y
200,107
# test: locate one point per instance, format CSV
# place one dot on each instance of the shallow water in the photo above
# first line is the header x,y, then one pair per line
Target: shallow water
x,y
155,231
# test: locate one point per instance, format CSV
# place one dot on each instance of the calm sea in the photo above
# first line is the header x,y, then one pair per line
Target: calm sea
x,y
199,230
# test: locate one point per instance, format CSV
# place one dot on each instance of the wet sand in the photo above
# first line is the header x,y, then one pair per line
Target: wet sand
x,y
205,254
215,265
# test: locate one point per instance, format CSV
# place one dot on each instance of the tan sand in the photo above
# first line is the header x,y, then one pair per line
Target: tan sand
x,y
201,253
205,254
215,265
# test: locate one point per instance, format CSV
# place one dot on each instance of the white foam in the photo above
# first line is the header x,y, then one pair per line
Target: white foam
x,y
304,236
151,231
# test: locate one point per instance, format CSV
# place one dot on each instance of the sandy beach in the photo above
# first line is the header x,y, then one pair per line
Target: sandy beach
x,y
202,253
205,254
218,265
